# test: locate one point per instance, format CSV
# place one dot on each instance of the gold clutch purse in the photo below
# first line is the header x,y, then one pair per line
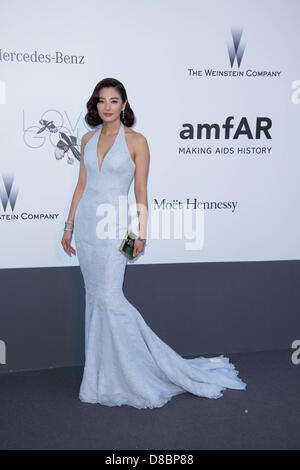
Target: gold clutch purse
x,y
127,245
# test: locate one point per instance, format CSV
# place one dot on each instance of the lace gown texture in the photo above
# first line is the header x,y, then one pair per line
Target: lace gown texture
x,y
126,363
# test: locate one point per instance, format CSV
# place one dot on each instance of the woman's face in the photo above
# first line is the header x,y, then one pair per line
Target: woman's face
x,y
109,104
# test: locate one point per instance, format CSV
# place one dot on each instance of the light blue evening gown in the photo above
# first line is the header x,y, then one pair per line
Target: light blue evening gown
x,y
126,363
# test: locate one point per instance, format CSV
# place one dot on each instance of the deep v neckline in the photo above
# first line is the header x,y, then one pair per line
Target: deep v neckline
x,y
97,145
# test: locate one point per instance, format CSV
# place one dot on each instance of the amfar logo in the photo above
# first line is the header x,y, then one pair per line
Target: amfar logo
x,y
2,352
213,131
236,48
8,192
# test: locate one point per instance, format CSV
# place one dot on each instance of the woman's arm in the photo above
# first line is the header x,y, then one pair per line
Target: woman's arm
x,y
142,159
81,182
67,236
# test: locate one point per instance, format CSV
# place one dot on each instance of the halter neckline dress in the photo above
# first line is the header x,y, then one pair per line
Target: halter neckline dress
x,y
126,363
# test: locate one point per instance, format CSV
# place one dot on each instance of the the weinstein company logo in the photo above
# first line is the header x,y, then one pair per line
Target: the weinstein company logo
x,y
235,50
8,194
8,191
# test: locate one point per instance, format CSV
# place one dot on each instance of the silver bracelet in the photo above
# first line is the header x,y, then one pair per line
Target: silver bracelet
x,y
69,224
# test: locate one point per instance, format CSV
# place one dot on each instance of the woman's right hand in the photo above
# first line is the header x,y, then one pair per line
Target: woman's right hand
x,y
66,242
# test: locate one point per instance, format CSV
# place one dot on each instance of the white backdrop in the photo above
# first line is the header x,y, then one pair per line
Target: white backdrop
x,y
173,59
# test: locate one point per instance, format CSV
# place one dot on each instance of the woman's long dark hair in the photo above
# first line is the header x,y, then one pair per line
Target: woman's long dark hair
x,y
92,117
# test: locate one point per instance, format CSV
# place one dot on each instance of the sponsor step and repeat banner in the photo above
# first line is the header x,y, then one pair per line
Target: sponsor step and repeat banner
x,y
215,88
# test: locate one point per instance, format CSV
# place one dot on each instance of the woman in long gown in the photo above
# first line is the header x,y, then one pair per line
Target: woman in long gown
x,y
126,363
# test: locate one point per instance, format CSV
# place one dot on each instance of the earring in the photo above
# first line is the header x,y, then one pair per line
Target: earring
x,y
123,115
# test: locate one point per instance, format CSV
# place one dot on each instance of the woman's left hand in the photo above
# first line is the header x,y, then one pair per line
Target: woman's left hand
x,y
138,247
